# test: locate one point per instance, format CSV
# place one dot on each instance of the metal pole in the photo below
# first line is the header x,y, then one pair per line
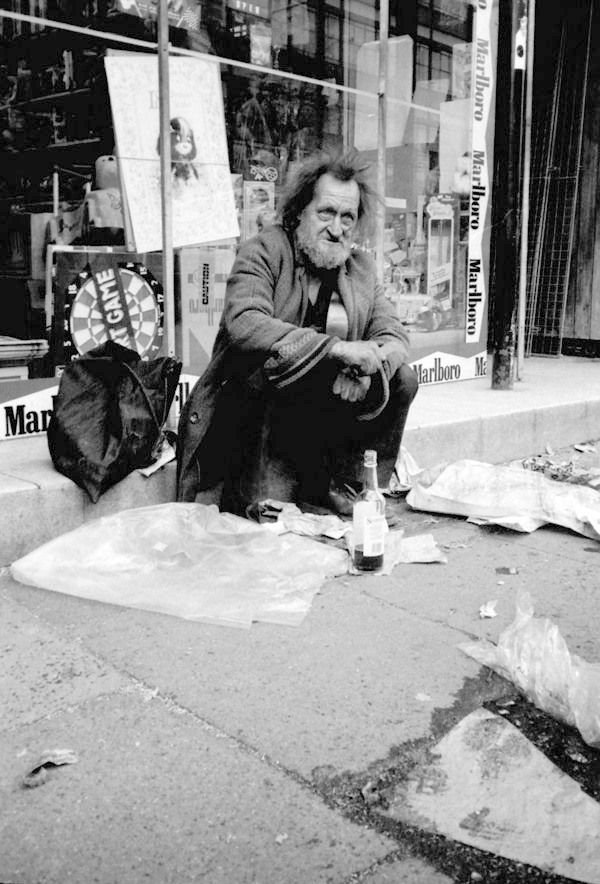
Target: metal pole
x,y
165,174
508,203
522,313
384,14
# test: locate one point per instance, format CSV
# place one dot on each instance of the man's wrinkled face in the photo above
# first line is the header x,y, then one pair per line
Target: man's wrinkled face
x,y
327,224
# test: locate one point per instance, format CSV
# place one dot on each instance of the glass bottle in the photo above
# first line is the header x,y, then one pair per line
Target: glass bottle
x,y
369,526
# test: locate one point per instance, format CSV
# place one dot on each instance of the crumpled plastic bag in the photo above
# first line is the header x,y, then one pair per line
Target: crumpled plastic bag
x,y
505,495
188,560
406,471
532,654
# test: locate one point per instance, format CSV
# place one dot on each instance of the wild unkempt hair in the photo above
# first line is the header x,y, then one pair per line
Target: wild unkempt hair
x,y
300,189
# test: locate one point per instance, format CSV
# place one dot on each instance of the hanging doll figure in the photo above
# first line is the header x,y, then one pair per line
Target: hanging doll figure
x,y
183,150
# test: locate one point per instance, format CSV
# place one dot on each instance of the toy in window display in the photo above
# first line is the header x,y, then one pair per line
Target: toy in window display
x,y
183,151
103,208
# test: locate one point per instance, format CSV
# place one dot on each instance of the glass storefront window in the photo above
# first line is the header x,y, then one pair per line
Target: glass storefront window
x,y
297,76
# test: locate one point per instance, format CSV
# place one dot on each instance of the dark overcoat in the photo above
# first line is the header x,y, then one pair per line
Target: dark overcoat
x,y
261,339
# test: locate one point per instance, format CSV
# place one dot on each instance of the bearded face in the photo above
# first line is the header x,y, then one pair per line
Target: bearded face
x,y
327,225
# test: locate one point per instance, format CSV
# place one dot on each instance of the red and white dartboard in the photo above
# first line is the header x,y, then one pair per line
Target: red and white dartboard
x,y
122,303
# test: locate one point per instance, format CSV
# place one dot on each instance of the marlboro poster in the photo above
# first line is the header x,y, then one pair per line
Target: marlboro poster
x,y
481,171
203,207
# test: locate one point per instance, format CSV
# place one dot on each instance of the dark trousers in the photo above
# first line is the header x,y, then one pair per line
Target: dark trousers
x,y
293,443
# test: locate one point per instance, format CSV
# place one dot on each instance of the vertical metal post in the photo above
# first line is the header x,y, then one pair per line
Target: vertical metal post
x,y
508,203
522,309
165,174
384,16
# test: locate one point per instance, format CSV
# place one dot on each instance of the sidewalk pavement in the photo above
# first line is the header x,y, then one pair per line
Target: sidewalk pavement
x,y
207,753
227,756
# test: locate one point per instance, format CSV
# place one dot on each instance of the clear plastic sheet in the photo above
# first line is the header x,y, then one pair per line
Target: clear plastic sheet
x,y
188,560
532,654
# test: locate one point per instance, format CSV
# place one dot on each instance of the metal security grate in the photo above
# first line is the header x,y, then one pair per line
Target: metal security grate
x,y
555,163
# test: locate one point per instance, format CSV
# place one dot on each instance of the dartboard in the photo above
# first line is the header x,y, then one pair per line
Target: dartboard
x,y
128,310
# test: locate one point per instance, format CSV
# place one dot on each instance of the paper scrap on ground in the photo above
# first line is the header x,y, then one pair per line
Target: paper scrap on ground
x,y
405,472
505,495
293,519
488,786
166,455
398,549
38,774
532,654
188,560
402,550
489,609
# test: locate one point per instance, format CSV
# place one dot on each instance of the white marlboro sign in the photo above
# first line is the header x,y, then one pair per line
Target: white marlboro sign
x,y
481,98
437,368
25,407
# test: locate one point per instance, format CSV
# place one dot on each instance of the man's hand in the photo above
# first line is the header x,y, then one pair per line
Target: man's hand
x,y
349,388
389,349
363,356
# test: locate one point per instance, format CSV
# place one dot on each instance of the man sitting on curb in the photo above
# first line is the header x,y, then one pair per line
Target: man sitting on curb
x,y
309,366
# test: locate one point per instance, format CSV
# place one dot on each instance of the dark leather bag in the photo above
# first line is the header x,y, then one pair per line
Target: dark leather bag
x,y
109,415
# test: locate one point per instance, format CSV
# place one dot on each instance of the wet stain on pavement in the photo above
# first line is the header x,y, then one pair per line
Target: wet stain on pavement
x,y
365,797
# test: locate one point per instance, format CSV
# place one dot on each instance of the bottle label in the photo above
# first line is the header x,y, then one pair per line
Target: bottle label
x,y
369,528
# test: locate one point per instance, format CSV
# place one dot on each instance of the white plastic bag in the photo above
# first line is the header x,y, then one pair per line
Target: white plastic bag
x,y
188,560
532,654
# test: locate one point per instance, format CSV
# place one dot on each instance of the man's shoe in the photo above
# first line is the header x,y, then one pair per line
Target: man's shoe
x,y
341,500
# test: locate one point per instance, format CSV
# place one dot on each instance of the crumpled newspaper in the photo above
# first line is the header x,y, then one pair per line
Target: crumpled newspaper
x,y
398,549
508,496
289,517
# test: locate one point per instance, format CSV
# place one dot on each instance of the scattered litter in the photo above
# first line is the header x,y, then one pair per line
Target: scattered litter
x,y
489,609
421,548
586,447
501,582
166,454
507,496
371,794
402,550
189,560
405,470
504,570
565,470
549,449
38,774
577,756
289,517
280,839
532,654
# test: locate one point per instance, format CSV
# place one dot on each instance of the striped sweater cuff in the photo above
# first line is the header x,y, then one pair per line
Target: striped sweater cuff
x,y
282,372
